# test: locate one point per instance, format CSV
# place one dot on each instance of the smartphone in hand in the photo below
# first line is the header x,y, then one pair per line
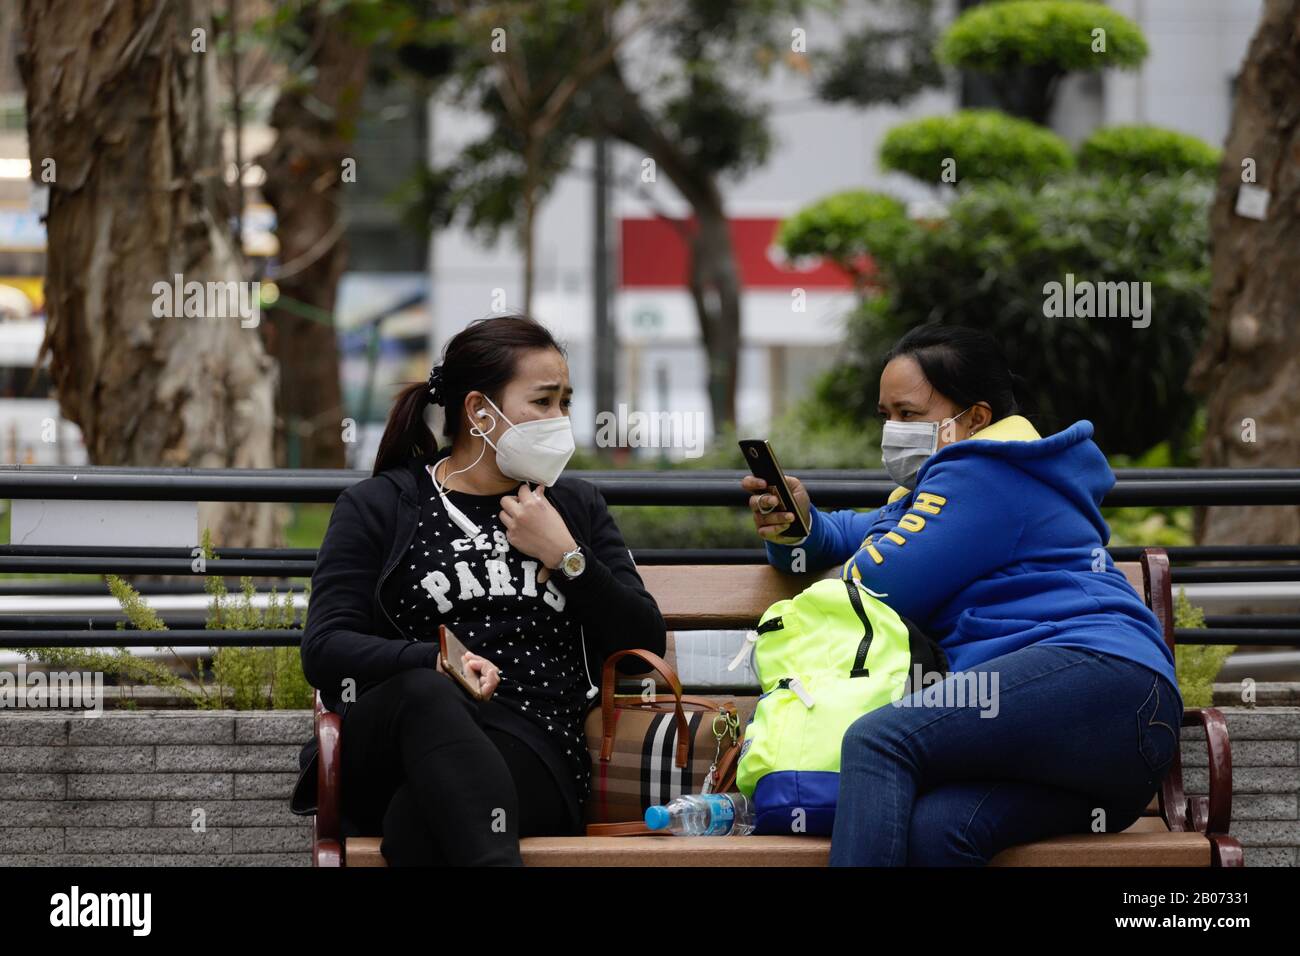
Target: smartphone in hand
x,y
762,462
451,650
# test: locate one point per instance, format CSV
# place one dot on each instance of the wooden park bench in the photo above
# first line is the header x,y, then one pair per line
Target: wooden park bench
x,y
1175,830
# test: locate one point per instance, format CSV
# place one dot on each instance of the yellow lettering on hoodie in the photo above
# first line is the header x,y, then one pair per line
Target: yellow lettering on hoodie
x,y
929,503
911,522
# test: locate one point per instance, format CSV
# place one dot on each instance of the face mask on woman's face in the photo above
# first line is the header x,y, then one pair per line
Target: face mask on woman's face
x,y
535,451
904,447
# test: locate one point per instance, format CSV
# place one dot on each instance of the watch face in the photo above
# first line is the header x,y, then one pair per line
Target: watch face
x,y
574,564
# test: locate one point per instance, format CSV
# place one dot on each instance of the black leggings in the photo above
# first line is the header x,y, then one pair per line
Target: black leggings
x,y
418,765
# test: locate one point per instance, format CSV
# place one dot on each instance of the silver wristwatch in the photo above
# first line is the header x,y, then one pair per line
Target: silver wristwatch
x,y
573,563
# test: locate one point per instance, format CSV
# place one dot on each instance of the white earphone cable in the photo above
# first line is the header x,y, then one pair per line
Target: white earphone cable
x,y
458,517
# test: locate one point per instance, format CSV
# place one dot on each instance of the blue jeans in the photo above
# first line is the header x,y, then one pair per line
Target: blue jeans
x,y
1076,741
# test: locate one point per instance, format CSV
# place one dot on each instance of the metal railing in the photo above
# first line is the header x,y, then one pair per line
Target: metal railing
x,y
695,488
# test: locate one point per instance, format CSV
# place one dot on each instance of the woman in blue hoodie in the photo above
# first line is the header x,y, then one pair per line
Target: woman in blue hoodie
x,y
994,545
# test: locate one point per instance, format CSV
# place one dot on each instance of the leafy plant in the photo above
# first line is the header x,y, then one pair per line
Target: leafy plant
x,y
1139,150
256,676
988,265
845,228
807,436
1026,47
996,37
1196,664
981,145
244,677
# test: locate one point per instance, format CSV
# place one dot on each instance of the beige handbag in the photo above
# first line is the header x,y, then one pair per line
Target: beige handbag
x,y
647,749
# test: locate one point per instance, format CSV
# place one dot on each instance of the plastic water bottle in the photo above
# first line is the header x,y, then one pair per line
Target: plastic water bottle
x,y
704,814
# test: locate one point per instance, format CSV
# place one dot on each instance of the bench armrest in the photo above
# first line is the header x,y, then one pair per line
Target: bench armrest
x,y
329,727
1213,813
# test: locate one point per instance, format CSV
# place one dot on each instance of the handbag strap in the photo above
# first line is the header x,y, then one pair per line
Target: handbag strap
x,y
636,702
727,767
607,702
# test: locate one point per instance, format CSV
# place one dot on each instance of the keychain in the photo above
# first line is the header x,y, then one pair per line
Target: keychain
x,y
730,724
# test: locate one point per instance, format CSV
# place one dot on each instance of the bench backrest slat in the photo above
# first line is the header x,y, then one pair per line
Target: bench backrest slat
x,y
695,597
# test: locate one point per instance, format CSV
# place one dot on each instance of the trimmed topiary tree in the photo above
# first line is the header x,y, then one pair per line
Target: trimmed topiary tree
x,y
1027,46
974,145
846,228
991,265
1139,150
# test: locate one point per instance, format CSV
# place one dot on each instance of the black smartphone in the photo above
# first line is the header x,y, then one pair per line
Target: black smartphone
x,y
762,462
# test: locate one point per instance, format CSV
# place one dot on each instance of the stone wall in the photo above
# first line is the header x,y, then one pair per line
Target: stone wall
x,y
170,788
130,788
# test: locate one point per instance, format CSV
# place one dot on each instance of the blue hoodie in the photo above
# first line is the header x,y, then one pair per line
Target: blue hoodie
x,y
994,550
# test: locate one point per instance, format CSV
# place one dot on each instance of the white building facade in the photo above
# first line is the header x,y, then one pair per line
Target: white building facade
x,y
1197,47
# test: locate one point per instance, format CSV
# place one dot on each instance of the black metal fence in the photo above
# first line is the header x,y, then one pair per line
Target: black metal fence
x,y
695,488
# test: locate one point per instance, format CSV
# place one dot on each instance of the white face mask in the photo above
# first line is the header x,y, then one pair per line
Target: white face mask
x,y
535,451
904,447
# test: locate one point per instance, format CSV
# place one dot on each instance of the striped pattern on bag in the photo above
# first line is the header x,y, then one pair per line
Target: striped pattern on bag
x,y
642,769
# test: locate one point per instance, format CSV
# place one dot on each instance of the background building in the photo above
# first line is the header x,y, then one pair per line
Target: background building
x,y
422,292
1186,84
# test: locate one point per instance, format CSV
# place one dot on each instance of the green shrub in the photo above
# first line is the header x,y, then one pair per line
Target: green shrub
x,y
985,144
844,228
809,435
245,678
1146,150
249,678
996,37
1196,664
987,265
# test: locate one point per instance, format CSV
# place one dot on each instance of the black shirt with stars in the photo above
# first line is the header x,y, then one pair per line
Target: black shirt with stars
x,y
487,594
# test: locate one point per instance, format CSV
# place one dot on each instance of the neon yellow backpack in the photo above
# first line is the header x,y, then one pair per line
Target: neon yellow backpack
x,y
824,658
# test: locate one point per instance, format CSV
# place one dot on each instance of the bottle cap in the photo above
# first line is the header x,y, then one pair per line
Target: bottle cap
x,y
657,818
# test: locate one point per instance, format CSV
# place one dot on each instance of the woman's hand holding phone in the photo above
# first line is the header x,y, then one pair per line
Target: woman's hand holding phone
x,y
763,496
482,668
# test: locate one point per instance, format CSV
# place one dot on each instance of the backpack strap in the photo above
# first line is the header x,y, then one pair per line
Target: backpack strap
x,y
860,659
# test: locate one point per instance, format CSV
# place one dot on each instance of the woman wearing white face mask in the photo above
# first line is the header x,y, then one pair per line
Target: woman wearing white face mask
x,y
994,545
525,566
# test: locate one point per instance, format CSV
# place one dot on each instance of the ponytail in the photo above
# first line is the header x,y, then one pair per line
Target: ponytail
x,y
407,434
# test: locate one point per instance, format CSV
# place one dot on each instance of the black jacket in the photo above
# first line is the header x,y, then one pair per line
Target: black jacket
x,y
349,635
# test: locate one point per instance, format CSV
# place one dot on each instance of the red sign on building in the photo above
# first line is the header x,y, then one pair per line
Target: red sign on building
x,y
653,254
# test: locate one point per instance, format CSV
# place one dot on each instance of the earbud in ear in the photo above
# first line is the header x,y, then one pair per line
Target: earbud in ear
x,y
481,413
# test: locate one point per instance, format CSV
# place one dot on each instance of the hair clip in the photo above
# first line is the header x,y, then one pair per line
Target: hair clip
x,y
435,385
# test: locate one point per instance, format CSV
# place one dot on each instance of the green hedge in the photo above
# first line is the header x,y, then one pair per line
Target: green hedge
x,y
844,227
986,266
986,144
996,37
1138,150
809,435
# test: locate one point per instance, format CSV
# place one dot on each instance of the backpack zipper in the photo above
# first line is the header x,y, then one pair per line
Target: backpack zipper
x,y
796,685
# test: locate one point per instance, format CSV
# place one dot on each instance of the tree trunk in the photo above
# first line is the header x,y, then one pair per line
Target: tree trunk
x,y
715,287
304,184
1250,362
123,105
528,227
1028,92
714,278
